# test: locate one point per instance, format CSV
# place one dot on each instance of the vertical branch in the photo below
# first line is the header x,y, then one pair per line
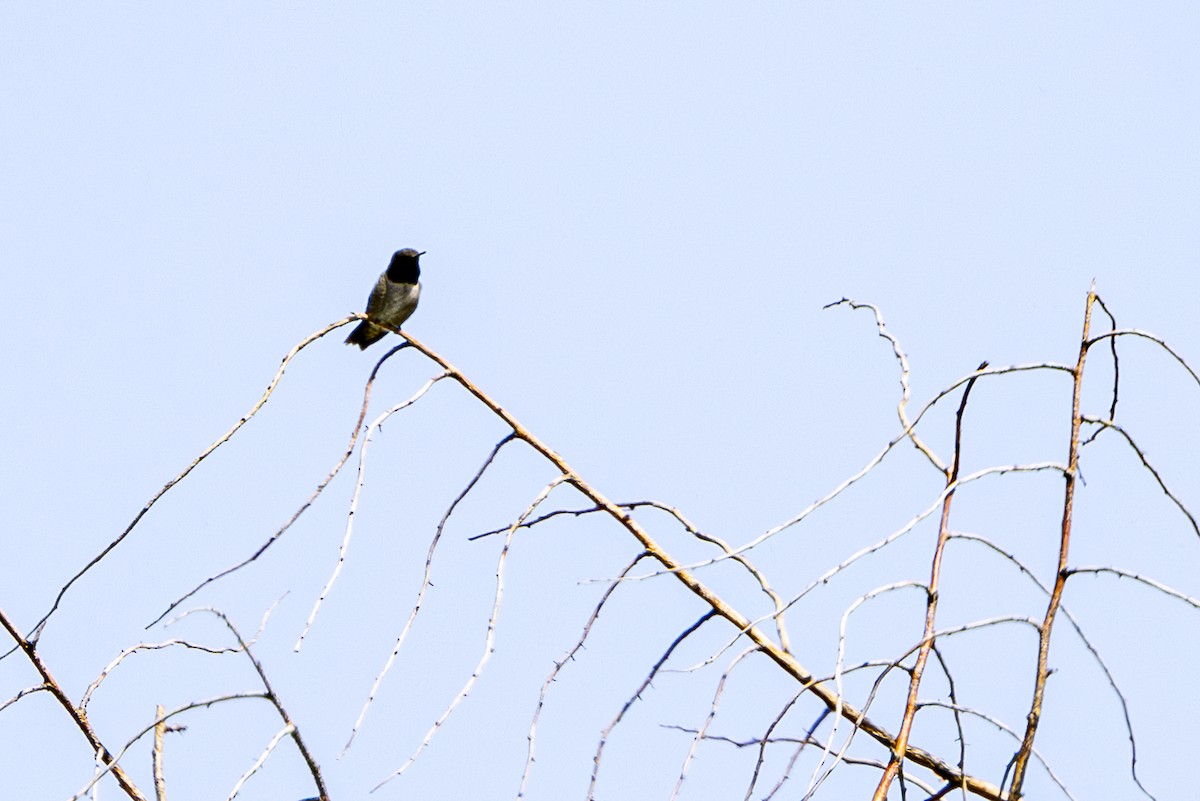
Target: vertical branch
x,y
160,728
1021,760
910,708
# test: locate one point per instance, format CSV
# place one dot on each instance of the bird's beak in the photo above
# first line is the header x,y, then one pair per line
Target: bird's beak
x,y
422,253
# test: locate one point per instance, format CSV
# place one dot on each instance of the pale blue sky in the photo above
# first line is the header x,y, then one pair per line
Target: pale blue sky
x,y
633,215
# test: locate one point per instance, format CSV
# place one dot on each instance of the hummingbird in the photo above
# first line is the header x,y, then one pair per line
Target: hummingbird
x,y
393,300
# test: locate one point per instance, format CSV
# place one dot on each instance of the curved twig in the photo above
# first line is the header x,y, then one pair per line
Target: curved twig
x,y
362,413
221,440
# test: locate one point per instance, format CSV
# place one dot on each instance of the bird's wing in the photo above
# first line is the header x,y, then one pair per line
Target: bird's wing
x,y
375,303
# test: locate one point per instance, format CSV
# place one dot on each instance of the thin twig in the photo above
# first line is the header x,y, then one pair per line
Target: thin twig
x,y
344,548
818,777
662,660
1133,332
1149,582
304,343
558,666
769,736
426,583
143,646
1109,424
796,752
258,763
489,645
958,724
40,688
1112,324
758,575
905,391
279,532
708,719
802,742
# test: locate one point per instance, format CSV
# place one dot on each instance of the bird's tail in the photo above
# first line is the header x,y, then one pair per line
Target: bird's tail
x,y
364,335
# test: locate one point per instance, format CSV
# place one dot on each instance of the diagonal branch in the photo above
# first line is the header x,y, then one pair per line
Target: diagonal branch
x,y
775,652
103,755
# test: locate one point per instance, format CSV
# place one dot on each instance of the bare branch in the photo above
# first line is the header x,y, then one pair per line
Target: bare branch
x,y
156,759
910,707
1110,425
40,688
279,532
905,391
262,758
143,646
489,641
1112,682
1133,332
558,666
362,475
426,582
1021,759
1112,322
777,654
662,660
79,716
1149,582
113,766
712,714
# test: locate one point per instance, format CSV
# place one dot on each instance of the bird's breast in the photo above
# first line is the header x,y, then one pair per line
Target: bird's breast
x,y
400,302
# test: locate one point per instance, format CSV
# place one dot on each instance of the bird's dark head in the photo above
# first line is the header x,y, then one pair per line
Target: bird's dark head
x,y
405,267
